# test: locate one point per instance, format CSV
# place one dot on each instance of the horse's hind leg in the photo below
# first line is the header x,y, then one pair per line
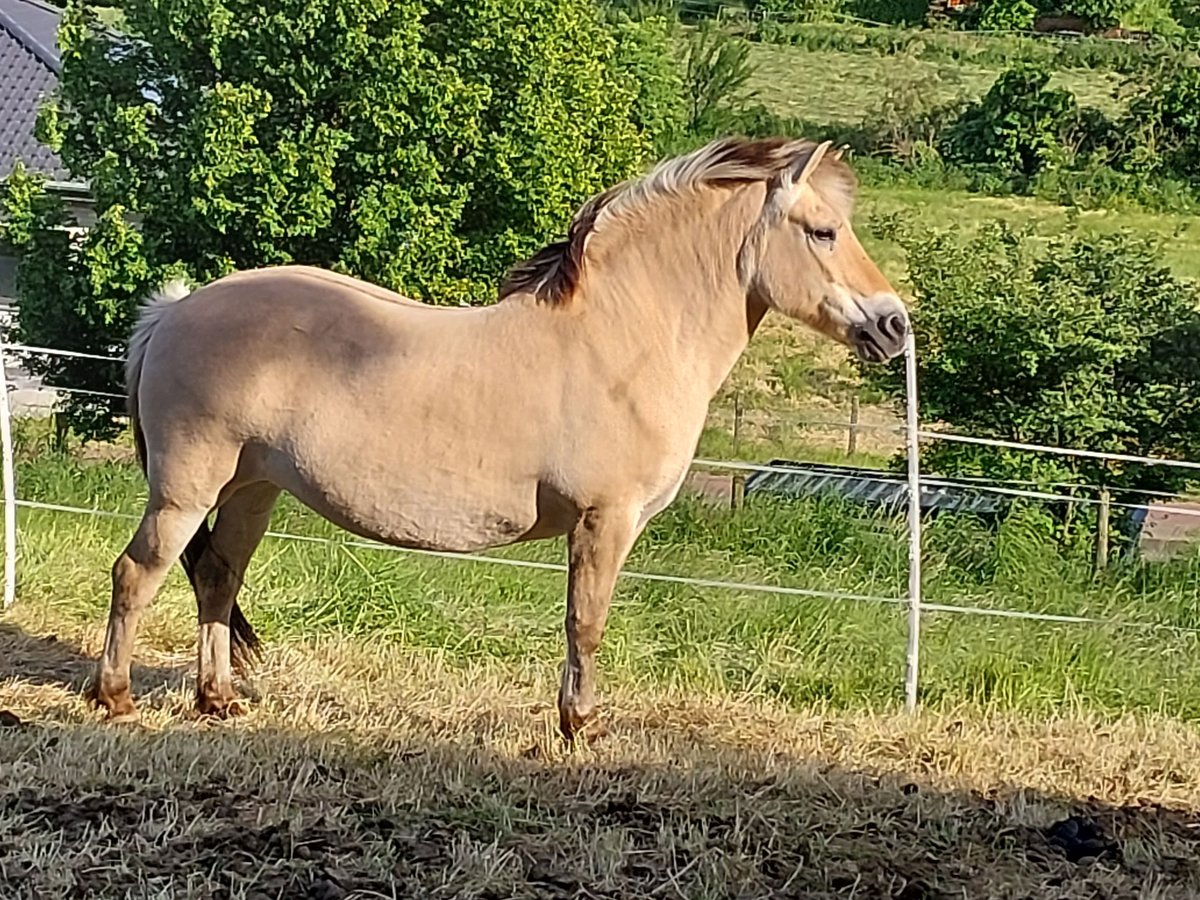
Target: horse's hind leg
x,y
136,577
241,523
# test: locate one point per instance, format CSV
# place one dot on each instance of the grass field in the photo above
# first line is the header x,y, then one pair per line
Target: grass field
x,y
835,86
401,740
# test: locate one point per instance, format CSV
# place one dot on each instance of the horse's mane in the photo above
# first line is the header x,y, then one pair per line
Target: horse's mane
x,y
552,274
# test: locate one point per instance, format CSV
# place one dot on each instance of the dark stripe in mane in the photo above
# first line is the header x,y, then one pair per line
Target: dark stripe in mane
x,y
553,273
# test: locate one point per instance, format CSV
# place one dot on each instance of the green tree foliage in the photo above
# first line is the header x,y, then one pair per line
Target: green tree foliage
x,y
1083,342
795,10
891,12
1098,13
716,70
660,107
1006,15
1163,124
1020,126
421,145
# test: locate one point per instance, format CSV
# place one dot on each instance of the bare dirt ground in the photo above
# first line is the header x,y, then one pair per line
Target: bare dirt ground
x,y
372,771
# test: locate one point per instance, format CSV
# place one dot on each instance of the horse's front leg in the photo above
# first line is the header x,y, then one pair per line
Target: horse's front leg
x,y
598,546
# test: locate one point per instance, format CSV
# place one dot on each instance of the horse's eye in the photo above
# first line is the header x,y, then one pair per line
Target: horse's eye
x,y
824,235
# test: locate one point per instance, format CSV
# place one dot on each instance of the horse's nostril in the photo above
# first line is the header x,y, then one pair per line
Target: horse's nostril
x,y
895,326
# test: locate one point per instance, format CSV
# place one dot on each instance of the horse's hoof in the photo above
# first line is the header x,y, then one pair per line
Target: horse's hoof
x,y
574,727
118,709
221,707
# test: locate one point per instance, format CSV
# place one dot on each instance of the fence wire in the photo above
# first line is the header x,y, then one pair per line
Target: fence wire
x,y
923,482
664,578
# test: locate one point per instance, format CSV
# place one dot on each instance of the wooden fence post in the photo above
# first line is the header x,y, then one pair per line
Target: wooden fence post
x,y
1102,530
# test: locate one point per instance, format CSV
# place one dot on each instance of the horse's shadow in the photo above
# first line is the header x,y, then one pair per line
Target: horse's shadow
x,y
51,662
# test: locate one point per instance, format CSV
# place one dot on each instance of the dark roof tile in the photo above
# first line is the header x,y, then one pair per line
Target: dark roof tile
x,y
29,65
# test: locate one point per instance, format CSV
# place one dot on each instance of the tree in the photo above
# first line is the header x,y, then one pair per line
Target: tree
x,y
1018,127
421,145
1098,13
1083,341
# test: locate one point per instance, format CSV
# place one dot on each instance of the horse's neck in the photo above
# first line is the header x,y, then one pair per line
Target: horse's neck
x,y
675,284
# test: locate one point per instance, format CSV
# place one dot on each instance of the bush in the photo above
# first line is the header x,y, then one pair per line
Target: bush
x,y
1098,13
1079,342
910,119
659,108
794,10
1163,125
1021,127
421,145
890,12
1006,15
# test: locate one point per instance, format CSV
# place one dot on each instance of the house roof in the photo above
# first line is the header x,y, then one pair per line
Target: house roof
x,y
29,68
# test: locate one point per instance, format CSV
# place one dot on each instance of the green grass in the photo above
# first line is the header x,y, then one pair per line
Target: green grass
x,y
848,654
845,88
966,212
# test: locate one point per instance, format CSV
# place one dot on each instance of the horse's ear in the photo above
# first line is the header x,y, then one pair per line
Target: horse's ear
x,y
809,165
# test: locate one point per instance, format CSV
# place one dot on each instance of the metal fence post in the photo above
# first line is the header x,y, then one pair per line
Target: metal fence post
x,y
914,524
10,493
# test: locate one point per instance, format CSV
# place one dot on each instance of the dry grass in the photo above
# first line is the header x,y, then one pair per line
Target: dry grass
x,y
366,770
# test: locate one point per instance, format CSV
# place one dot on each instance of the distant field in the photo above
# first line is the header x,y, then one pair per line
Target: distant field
x,y
843,87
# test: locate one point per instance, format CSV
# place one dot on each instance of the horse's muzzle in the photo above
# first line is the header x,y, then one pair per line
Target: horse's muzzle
x,y
881,336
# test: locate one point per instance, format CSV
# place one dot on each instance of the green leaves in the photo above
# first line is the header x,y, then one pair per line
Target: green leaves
x,y
422,145
1020,126
1080,342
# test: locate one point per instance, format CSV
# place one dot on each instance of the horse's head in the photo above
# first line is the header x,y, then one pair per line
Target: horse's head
x,y
803,259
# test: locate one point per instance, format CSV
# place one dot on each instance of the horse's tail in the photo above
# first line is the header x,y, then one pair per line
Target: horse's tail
x,y
148,318
244,647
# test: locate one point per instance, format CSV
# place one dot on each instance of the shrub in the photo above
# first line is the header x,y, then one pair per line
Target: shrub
x,y
1081,341
659,107
794,10
1163,125
1006,15
890,12
1098,13
1021,127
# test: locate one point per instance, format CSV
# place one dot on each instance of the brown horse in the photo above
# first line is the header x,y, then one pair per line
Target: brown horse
x,y
573,406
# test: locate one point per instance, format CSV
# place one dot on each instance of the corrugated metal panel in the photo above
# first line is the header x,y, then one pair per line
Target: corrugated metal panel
x,y
872,487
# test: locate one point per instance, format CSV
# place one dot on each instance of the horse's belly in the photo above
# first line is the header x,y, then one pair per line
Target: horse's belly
x,y
425,512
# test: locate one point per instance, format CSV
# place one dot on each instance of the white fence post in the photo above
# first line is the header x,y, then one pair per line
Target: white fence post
x,y
914,524
10,491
